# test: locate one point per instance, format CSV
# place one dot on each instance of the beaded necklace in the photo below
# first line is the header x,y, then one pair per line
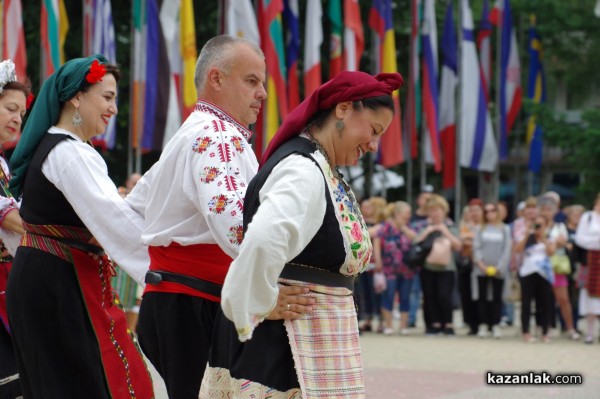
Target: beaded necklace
x,y
336,174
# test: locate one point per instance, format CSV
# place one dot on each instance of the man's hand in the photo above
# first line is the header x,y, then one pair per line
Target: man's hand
x,y
292,303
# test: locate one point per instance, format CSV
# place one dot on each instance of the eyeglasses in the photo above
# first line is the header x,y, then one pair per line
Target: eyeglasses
x,y
491,210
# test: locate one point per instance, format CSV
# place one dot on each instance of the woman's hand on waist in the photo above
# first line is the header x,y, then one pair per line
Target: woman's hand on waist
x,y
292,303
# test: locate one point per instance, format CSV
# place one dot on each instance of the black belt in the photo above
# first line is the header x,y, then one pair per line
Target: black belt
x,y
155,277
311,274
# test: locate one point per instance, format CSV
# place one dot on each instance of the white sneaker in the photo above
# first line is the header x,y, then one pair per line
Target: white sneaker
x,y
483,331
388,331
496,332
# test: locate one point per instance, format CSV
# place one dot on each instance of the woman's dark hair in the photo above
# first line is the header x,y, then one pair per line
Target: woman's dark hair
x,y
17,86
374,103
110,69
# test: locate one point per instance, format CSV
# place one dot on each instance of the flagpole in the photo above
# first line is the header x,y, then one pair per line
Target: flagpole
x,y
458,178
499,115
131,86
423,166
409,175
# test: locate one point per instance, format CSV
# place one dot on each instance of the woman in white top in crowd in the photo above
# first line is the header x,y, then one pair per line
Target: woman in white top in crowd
x,y
558,233
588,237
536,277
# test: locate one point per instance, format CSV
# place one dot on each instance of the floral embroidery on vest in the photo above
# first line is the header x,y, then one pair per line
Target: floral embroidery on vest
x,y
354,231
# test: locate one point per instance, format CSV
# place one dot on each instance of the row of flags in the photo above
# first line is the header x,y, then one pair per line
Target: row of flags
x,y
163,45
164,55
432,83
479,149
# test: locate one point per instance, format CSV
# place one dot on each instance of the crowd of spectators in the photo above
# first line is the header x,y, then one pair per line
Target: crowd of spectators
x,y
544,265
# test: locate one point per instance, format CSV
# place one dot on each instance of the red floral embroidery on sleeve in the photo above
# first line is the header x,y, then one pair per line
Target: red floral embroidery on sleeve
x,y
201,144
209,174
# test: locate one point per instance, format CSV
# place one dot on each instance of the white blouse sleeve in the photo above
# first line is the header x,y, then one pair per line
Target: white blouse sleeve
x,y
217,186
137,197
6,203
10,239
587,235
80,173
292,208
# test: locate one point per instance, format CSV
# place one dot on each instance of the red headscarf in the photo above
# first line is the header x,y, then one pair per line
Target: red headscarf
x,y
346,86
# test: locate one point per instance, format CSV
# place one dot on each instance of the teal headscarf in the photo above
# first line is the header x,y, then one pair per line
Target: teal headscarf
x,y
60,87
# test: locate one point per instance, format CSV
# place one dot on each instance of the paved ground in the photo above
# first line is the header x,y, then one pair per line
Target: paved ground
x,y
416,366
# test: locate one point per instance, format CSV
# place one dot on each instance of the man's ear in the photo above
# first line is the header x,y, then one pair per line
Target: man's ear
x,y
214,78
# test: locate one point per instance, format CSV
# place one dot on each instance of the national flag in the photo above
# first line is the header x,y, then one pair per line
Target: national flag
x,y
292,50
170,27
54,25
430,84
313,39
240,20
138,72
155,109
159,109
354,39
189,55
484,46
88,25
510,72
271,38
380,20
448,84
102,40
13,37
536,91
413,97
334,14
478,147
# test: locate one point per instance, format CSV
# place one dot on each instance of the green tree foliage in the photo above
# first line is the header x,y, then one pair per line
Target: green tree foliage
x,y
571,48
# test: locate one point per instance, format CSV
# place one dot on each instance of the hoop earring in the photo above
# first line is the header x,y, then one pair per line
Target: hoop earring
x,y
77,121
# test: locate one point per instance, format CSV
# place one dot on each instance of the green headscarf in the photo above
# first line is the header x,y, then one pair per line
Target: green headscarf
x,y
60,87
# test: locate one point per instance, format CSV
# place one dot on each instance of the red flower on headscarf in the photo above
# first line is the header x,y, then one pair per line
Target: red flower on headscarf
x,y
96,73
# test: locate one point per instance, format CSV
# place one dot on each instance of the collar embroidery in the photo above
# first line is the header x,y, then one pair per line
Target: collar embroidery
x,y
206,107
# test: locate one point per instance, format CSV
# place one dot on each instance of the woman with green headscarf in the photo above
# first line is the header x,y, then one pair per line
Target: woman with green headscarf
x,y
70,334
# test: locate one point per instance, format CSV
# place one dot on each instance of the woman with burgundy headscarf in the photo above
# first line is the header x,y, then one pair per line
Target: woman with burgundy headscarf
x,y
303,228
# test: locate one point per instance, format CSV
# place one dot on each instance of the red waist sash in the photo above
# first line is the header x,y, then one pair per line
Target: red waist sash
x,y
203,261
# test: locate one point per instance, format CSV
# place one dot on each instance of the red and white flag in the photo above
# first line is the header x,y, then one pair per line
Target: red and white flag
x,y
313,39
354,38
510,72
13,46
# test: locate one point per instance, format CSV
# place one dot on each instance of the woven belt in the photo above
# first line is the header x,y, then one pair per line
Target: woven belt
x,y
83,246
311,274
